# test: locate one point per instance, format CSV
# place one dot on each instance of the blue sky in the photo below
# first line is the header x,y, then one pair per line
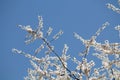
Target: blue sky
x,y
81,16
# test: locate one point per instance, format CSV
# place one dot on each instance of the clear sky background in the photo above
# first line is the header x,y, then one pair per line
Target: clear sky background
x,y
81,16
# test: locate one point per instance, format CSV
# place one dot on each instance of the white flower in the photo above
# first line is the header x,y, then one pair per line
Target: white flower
x,y
96,72
79,37
34,64
101,29
28,28
56,36
106,64
16,51
111,6
93,78
49,31
39,49
117,27
40,25
40,34
65,49
91,63
117,63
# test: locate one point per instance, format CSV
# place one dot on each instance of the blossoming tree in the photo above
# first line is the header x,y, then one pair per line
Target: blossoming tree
x,y
55,67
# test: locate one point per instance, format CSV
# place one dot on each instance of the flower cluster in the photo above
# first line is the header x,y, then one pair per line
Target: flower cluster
x,y
54,66
114,8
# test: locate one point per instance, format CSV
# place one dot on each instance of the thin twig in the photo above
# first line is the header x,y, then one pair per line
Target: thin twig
x,y
71,75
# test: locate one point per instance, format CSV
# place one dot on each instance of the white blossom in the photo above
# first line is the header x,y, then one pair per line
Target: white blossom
x,y
34,64
27,28
111,6
16,51
40,25
49,31
79,37
106,64
56,36
93,78
54,66
118,28
65,49
39,49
